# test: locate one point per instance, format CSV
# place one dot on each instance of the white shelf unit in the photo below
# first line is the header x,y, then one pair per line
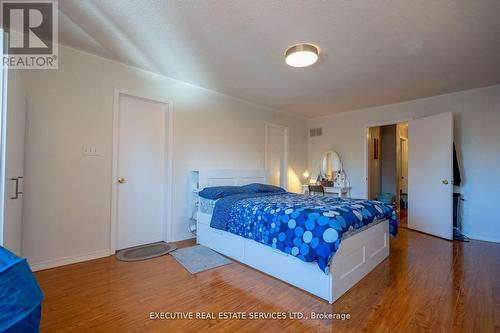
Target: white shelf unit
x,y
194,201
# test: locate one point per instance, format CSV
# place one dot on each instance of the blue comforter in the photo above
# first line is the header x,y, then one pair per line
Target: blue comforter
x,y
20,295
307,227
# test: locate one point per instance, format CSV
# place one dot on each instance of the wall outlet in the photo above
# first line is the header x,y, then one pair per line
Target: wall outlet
x,y
90,150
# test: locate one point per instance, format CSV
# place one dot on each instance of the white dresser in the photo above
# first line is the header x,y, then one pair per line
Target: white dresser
x,y
343,192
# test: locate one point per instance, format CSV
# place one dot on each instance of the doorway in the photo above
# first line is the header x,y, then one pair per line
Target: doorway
x,y
276,152
141,171
424,171
387,157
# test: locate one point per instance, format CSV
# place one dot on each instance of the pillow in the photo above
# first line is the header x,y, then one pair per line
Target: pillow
x,y
260,188
217,192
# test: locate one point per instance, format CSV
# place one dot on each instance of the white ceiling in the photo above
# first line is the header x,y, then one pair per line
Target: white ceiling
x,y
371,52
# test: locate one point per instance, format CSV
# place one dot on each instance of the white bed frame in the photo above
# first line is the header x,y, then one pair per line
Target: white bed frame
x,y
356,257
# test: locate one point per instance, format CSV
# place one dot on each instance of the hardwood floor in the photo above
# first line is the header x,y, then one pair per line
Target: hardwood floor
x,y
427,284
402,217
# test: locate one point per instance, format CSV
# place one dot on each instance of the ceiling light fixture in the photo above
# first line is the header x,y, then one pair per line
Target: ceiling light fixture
x,y
301,55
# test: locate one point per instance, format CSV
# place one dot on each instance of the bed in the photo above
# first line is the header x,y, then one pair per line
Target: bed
x,y
274,233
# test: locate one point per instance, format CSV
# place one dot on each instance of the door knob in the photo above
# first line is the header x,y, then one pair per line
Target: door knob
x,y
122,180
445,181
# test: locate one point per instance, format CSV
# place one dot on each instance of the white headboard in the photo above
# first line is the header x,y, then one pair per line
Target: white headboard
x,y
236,177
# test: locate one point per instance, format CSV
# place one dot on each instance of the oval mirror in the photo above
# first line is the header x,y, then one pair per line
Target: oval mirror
x,y
330,164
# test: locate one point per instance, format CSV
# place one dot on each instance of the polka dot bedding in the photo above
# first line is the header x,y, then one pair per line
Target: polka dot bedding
x,y
307,227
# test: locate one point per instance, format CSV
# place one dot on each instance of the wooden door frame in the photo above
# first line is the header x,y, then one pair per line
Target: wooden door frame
x,y
285,129
167,209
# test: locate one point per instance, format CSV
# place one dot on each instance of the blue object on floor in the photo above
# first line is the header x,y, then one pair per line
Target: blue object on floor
x,y
20,295
386,198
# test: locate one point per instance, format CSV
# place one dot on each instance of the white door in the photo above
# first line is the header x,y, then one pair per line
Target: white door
x,y
13,103
430,175
142,148
277,155
14,162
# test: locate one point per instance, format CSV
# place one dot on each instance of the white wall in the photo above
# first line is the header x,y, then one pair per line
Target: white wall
x,y
67,201
477,135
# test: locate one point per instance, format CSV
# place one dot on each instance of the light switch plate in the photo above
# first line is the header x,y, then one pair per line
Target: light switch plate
x,y
90,150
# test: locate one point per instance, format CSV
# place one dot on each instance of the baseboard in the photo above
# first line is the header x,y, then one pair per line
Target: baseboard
x,y
484,239
69,260
182,238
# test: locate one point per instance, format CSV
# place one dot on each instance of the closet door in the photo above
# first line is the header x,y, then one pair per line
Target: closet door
x,y
12,158
142,164
430,175
14,162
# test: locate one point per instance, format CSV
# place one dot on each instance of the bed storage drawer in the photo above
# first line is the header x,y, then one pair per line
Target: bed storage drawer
x,y
285,267
221,241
